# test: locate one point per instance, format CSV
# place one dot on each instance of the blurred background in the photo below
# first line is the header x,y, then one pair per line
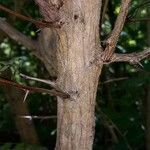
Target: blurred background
x,y
123,97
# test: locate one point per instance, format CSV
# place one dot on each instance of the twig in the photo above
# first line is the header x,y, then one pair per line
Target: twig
x,y
34,89
38,117
25,18
114,80
133,58
113,38
50,83
105,4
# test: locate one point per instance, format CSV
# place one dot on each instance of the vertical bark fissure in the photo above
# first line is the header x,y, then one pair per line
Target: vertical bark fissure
x,y
77,44
47,41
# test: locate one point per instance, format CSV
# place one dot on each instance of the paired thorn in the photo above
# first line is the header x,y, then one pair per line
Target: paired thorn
x,y
51,83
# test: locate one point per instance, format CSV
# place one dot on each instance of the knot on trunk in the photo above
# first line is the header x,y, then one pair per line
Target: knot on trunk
x,y
50,12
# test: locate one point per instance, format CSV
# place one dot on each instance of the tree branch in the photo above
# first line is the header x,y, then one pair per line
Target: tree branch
x,y
38,117
133,58
53,84
105,4
113,38
114,80
17,36
25,18
50,12
33,89
108,55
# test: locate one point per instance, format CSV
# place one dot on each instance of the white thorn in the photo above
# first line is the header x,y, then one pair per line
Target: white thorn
x,y
26,94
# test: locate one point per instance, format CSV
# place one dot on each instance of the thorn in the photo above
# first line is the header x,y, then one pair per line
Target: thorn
x,y
26,94
38,31
26,117
140,64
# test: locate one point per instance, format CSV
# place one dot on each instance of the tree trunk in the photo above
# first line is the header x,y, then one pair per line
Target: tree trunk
x,y
77,44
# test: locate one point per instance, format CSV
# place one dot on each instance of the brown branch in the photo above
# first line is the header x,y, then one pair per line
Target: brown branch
x,y
114,80
105,4
17,36
25,18
114,36
50,12
133,58
108,55
33,89
53,84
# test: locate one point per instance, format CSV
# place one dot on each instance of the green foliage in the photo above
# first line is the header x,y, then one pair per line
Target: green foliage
x,y
21,146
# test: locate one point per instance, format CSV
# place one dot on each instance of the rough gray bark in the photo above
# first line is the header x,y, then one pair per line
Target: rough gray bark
x,y
77,43
47,42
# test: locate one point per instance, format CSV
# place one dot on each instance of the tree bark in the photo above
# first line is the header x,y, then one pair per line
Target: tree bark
x,y
77,44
